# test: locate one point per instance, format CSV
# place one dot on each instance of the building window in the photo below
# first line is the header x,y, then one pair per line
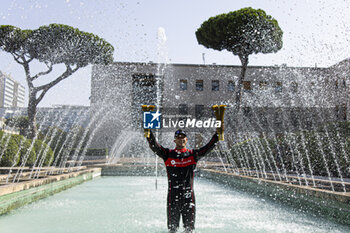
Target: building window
x,y
326,82
344,112
278,87
308,118
215,85
247,112
183,109
199,85
294,87
183,84
278,117
231,86
199,109
143,89
262,118
262,85
294,118
247,86
341,112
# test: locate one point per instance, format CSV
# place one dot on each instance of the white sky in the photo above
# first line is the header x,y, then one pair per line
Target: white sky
x,y
315,32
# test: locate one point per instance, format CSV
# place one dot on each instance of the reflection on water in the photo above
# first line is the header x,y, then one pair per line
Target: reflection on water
x,y
131,204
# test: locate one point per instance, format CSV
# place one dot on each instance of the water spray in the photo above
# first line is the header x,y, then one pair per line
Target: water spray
x,y
219,111
147,134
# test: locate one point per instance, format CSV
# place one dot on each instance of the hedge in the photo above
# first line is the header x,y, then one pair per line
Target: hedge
x,y
16,150
30,157
323,152
8,151
44,152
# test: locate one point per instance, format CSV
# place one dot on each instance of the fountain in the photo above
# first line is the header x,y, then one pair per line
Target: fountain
x,y
255,158
285,157
274,164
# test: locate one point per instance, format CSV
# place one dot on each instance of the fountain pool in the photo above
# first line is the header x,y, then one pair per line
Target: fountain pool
x,y
132,204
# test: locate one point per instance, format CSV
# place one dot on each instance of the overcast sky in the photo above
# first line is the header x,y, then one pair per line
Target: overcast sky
x,y
315,32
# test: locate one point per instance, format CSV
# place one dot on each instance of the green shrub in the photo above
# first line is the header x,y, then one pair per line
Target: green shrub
x,y
31,155
59,138
15,148
324,150
54,134
24,145
43,150
8,151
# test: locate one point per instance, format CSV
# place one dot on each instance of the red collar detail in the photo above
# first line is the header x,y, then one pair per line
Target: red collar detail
x,y
181,150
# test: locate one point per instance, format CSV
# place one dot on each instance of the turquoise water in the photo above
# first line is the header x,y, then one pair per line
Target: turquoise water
x,y
131,204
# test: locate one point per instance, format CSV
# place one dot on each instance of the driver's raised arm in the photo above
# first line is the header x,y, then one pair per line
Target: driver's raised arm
x,y
156,147
201,152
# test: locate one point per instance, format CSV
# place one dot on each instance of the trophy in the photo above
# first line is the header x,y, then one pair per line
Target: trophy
x,y
219,111
147,108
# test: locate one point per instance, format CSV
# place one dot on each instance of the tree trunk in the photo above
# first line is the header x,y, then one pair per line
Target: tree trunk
x,y
31,111
32,130
244,61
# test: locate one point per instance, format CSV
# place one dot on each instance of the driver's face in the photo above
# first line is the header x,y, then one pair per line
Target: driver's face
x,y
180,141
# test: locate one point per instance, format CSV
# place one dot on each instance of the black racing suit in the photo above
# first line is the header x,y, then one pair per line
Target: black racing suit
x,y
180,165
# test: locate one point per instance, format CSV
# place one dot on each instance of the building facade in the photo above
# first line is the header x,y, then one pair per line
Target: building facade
x,y
282,93
11,92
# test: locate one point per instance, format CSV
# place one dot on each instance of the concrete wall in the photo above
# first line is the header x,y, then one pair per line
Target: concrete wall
x,y
131,170
16,195
321,203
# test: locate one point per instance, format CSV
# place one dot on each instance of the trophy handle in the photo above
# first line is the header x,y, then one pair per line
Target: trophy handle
x,y
219,111
147,108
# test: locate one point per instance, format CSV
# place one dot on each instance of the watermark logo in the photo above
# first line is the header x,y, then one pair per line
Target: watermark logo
x,y
152,120
191,123
157,120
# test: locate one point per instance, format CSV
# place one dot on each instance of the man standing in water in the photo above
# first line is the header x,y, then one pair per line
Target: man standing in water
x,y
180,164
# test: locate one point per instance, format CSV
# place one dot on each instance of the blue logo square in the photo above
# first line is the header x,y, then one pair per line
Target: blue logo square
x,y
151,120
